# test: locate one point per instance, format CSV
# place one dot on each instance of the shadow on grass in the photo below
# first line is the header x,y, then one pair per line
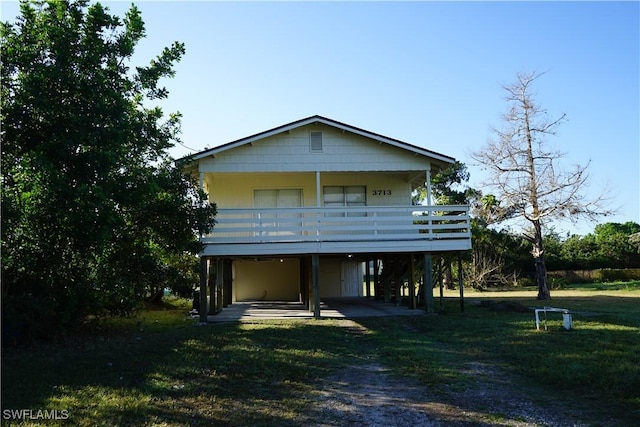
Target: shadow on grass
x,y
596,361
269,373
219,374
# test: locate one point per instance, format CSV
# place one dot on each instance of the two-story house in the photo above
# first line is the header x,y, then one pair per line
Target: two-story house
x,y
302,206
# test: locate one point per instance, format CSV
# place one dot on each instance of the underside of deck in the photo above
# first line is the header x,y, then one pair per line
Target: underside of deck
x,y
327,247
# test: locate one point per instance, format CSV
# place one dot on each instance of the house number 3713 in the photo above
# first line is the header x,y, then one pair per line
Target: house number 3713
x,y
381,192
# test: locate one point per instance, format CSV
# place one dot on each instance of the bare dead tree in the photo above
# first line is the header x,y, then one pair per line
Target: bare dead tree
x,y
486,268
526,176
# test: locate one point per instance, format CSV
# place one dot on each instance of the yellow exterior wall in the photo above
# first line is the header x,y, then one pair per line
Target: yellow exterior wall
x,y
383,189
271,280
276,280
235,190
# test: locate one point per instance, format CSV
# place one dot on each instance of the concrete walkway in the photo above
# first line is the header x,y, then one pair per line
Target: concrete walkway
x,y
338,308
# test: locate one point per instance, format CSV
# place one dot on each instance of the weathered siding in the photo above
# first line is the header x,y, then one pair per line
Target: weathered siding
x,y
290,152
333,280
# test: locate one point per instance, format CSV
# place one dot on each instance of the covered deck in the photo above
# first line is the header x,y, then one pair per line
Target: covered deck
x,y
323,230
367,233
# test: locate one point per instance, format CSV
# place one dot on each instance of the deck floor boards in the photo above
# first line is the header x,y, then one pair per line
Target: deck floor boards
x,y
338,308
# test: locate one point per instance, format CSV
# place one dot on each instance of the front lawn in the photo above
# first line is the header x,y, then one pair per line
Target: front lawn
x,y
159,368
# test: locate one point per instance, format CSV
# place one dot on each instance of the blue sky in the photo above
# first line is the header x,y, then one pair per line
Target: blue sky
x,y
427,73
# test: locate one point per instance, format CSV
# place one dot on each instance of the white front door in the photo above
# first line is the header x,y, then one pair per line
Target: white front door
x,y
351,279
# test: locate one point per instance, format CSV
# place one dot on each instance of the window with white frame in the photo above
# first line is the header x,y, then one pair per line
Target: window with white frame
x,y
278,198
278,222
346,196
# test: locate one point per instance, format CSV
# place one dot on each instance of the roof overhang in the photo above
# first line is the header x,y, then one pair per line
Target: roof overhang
x,y
325,121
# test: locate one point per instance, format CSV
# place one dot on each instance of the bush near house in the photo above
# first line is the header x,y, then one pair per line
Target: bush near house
x,y
96,215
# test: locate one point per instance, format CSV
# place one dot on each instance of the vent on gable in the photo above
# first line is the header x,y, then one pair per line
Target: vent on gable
x,y
315,141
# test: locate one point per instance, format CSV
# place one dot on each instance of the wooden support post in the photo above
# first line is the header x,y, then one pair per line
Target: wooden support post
x,y
227,279
428,282
412,284
204,273
219,289
398,278
315,266
461,282
302,281
308,282
211,285
441,259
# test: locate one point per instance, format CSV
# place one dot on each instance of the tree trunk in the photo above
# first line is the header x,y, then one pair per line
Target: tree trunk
x,y
156,297
540,263
541,279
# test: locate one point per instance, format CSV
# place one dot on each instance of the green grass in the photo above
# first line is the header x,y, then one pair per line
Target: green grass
x,y
159,368
613,286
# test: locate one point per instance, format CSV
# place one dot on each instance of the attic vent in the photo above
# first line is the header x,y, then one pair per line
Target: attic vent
x,y
315,141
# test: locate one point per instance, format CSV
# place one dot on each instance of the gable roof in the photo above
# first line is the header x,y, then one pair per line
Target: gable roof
x,y
325,121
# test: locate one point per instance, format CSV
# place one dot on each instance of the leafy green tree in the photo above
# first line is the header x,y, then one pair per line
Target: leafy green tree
x,y
553,248
579,252
611,245
94,212
615,246
448,187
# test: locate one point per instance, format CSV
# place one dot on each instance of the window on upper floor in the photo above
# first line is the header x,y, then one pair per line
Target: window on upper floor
x,y
279,198
346,196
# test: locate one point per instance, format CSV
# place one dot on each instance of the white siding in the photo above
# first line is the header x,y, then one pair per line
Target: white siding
x,y
290,152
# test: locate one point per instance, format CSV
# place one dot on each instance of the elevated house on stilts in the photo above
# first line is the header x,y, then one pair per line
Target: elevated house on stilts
x,y
320,209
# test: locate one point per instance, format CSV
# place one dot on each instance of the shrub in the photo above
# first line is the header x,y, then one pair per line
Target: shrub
x,y
616,275
599,275
557,282
525,282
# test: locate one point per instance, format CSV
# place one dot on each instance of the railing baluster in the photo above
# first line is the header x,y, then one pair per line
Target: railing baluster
x,y
371,223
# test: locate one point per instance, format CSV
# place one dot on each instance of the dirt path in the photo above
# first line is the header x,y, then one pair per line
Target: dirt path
x,y
370,395
366,395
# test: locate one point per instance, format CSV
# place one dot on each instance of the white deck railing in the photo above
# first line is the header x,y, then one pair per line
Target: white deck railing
x,y
349,224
